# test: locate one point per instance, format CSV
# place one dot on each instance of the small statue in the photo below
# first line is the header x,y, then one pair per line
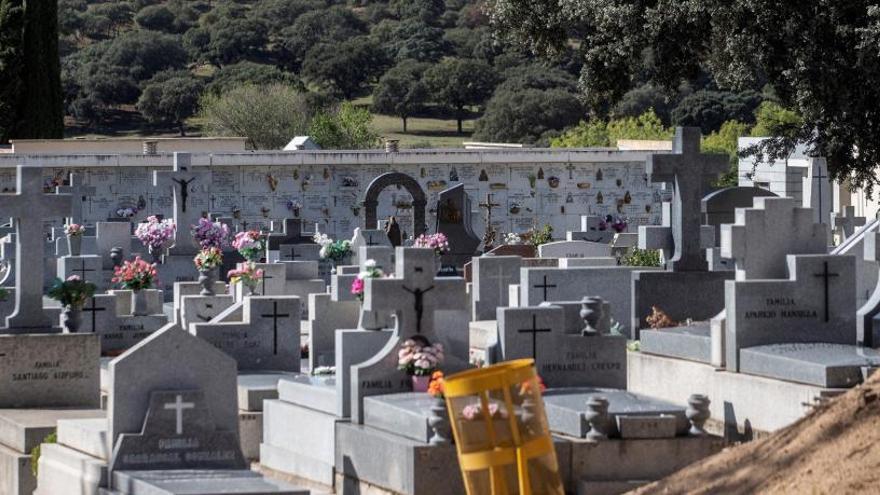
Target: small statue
x,y
116,256
392,230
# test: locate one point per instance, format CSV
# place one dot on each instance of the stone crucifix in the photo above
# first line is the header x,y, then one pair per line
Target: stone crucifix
x,y
181,181
691,174
29,207
416,293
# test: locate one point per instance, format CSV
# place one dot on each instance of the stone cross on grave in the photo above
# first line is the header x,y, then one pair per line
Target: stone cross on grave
x,y
498,278
416,295
534,331
544,286
79,196
826,275
29,207
489,235
93,309
182,181
690,173
178,406
275,315
847,222
82,270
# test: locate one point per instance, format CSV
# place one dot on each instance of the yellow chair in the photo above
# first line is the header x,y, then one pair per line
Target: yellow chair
x,y
501,433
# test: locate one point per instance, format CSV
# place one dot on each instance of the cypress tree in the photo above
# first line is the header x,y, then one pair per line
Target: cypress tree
x,y
11,38
41,113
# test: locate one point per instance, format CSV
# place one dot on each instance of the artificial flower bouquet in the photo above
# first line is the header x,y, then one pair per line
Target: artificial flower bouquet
x,y
335,251
210,234
156,234
208,259
370,271
419,358
251,244
247,273
73,292
438,242
74,229
135,275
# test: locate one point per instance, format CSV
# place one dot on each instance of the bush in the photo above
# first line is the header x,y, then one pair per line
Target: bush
x,y
528,116
641,257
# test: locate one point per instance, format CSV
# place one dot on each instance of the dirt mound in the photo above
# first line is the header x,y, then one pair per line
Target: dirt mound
x,y
835,449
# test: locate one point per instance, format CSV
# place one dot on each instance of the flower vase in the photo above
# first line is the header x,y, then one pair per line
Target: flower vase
x,y
439,423
139,303
207,278
251,289
369,320
71,319
156,253
420,383
74,245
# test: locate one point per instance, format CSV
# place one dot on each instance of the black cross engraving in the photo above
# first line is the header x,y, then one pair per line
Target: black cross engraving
x,y
94,309
545,286
818,178
534,331
292,255
263,283
418,294
370,240
205,318
82,269
825,275
275,315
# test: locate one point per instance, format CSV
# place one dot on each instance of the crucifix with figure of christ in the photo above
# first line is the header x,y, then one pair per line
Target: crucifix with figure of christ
x,y
489,235
416,295
181,181
29,207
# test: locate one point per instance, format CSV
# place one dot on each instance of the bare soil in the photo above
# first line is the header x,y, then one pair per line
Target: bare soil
x,y
833,450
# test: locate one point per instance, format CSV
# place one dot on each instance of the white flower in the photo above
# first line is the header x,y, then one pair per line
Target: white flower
x,y
370,264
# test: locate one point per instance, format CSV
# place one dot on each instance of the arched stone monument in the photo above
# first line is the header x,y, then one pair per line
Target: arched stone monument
x,y
371,199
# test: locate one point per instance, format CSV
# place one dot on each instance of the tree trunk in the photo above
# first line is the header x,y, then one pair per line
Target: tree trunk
x,y
459,117
404,124
182,127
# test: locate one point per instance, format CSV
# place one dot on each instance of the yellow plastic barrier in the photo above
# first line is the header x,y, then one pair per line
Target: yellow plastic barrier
x,y
501,433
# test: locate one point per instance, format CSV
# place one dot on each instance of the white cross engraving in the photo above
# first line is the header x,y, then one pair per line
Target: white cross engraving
x,y
178,405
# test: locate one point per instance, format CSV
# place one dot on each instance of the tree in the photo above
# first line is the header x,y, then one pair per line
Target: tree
x,y
170,100
709,109
822,61
599,133
40,107
278,14
771,118
400,91
269,116
344,127
639,100
235,39
155,17
344,68
335,24
231,76
528,116
11,53
414,39
726,140
457,83
537,76
428,11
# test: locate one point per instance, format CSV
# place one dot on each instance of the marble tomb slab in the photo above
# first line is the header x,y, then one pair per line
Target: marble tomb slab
x,y
693,342
821,364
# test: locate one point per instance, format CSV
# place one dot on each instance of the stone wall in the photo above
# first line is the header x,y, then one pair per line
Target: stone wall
x,y
532,186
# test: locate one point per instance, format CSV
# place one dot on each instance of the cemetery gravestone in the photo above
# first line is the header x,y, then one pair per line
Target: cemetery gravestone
x,y
29,207
420,202
454,220
765,234
573,249
267,338
847,222
493,276
189,190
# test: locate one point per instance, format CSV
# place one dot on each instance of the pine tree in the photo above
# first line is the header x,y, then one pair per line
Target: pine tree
x,y
11,32
40,114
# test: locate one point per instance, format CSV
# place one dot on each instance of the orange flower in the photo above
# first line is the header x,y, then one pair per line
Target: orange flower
x,y
435,387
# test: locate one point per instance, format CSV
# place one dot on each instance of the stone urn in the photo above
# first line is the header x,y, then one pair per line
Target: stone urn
x,y
156,253
71,319
117,255
139,303
207,278
74,245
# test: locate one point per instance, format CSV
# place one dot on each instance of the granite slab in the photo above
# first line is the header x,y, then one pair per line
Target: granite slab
x,y
403,414
693,342
315,392
824,365
254,388
199,482
566,408
24,429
